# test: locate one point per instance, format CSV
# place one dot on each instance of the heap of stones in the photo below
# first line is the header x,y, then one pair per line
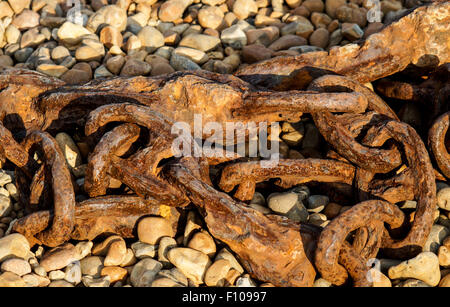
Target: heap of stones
x,y
98,39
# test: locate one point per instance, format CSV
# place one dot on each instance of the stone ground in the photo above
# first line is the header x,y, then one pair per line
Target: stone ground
x,y
150,37
156,37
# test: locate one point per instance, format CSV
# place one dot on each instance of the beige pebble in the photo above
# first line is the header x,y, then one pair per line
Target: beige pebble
x,y
173,9
165,244
245,281
17,266
244,8
443,199
101,249
231,277
83,249
60,284
52,70
58,257
143,250
193,264
202,241
115,273
144,272
151,229
91,282
92,265
165,282
379,279
69,149
129,258
444,256
193,223
424,267
217,272
108,15
116,253
34,280
321,283
110,36
72,273
445,282
56,275
9,279
224,253
175,275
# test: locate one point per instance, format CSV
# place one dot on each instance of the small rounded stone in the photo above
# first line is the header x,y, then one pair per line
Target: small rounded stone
x,y
151,229
203,242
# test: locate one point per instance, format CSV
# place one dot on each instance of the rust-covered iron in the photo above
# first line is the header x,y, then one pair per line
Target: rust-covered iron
x,y
420,38
288,173
269,248
128,126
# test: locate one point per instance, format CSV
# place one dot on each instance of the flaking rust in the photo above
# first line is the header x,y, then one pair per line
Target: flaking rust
x,y
128,123
439,146
420,38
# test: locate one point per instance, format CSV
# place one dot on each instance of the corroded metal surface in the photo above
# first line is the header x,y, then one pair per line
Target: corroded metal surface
x,y
179,96
418,38
63,195
270,249
115,142
437,141
96,216
287,172
329,247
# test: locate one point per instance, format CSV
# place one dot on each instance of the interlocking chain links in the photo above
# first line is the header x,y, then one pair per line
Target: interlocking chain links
x,y
414,182
63,193
422,172
372,159
332,238
259,240
417,36
337,83
270,248
115,142
96,216
141,169
440,146
399,187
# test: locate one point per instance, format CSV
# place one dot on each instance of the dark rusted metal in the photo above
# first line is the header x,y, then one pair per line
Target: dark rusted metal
x,y
424,188
271,249
96,216
10,149
115,142
420,38
287,172
343,141
440,144
63,194
332,238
